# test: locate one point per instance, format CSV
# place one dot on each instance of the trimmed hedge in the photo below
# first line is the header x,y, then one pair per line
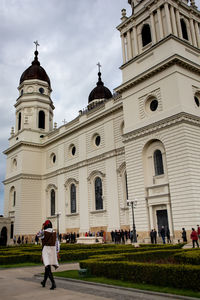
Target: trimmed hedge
x,y
178,276
188,257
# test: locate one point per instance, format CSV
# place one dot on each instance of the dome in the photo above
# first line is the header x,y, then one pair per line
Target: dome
x,y
35,71
100,91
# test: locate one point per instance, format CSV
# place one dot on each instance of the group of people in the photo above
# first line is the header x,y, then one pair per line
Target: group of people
x,y
121,236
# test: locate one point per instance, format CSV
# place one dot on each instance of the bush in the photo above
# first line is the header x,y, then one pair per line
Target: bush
x,y
178,276
188,257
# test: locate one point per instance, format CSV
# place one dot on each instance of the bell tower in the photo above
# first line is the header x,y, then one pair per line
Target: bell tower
x,y
161,103
34,107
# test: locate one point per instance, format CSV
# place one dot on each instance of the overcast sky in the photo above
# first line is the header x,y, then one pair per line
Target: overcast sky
x,y
74,35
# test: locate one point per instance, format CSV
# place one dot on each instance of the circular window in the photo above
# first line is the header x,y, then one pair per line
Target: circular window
x,y
196,99
153,105
97,140
41,90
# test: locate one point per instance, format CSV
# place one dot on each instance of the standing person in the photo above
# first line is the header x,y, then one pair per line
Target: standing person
x,y
49,255
198,231
194,238
184,235
162,233
155,236
168,236
151,236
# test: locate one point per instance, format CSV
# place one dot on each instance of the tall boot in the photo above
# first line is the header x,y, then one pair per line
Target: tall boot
x,y
53,286
46,275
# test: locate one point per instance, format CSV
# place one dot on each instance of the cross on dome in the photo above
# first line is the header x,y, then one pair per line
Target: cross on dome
x,y
99,66
36,44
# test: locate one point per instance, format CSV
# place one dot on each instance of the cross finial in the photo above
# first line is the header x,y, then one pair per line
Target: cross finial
x,y
99,66
64,121
36,44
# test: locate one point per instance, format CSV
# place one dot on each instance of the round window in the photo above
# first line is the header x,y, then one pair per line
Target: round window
x,y
153,105
41,90
97,140
196,99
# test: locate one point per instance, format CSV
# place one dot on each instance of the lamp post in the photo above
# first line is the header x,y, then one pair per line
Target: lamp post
x,y
58,215
133,204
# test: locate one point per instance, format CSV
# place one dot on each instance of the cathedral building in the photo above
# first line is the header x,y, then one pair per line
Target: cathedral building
x,y
141,144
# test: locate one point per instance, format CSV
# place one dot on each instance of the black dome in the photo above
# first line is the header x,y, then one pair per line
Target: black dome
x,y
35,71
100,91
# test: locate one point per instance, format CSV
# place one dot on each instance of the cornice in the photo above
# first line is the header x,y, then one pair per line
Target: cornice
x,y
160,125
170,61
55,134
84,163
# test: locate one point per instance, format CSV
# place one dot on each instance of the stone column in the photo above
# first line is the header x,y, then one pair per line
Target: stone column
x,y
178,23
151,217
130,55
160,24
194,42
135,40
197,33
168,21
153,28
169,218
174,27
123,49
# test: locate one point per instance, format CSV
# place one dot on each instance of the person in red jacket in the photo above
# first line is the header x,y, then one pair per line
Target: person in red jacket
x,y
194,237
198,231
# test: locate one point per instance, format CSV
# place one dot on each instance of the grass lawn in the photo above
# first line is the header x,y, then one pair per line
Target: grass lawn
x,y
73,274
20,265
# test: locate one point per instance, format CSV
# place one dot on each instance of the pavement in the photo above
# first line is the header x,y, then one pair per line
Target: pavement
x,y
24,284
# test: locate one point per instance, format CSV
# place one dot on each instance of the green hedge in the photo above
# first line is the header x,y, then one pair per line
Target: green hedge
x,y
188,257
178,276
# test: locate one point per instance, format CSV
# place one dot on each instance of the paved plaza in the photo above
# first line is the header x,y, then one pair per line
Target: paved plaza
x,y
24,283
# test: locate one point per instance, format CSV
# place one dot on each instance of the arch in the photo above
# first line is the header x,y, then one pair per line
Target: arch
x,y
19,120
3,236
158,162
95,174
184,29
98,193
146,35
73,198
41,119
52,202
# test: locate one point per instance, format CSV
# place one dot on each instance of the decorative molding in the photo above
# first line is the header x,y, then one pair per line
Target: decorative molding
x,y
70,181
98,211
95,173
51,186
121,168
160,125
72,215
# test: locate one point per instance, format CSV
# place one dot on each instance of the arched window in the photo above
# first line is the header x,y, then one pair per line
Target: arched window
x,y
14,198
73,198
146,35
41,121
184,29
158,162
19,120
53,203
98,194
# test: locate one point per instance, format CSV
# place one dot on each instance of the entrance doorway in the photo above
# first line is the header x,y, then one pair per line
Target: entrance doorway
x,y
162,219
3,237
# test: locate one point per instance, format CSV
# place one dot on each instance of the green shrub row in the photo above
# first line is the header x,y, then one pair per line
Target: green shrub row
x,y
188,257
178,276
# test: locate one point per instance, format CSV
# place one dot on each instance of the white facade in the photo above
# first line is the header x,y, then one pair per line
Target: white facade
x,y
145,138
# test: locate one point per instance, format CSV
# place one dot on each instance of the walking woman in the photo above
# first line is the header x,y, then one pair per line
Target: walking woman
x,y
49,254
